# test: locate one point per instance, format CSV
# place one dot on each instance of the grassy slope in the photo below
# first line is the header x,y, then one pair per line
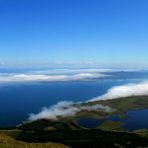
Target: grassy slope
x,y
120,105
70,134
111,125
8,142
86,138
124,104
34,135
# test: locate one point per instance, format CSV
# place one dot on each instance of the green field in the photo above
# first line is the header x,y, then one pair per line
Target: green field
x,y
119,107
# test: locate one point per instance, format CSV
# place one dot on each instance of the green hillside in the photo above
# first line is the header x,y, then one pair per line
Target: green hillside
x,y
67,132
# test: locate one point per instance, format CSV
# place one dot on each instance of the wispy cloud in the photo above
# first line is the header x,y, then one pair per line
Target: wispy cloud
x,y
65,109
49,78
134,89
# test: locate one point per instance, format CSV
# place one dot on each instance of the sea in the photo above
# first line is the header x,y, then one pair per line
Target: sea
x,y
19,99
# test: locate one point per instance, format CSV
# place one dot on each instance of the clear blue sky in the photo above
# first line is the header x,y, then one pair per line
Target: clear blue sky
x,y
69,31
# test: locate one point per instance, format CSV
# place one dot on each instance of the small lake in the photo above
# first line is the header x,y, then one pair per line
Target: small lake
x,y
136,119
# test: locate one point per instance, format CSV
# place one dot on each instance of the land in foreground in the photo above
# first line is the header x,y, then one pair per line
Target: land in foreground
x,y
66,131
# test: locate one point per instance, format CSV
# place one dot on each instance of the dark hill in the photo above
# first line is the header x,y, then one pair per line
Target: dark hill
x,y
68,133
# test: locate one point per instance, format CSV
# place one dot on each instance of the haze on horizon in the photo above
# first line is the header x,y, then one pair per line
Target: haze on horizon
x,y
83,33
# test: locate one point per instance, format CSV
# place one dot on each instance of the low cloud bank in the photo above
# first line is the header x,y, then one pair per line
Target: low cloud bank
x,y
5,78
65,109
133,89
52,75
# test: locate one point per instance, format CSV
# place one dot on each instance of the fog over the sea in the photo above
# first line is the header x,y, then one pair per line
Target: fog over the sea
x,y
48,78
65,109
54,75
132,89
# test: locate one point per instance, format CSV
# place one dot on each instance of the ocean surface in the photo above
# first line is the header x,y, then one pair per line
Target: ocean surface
x,y
18,100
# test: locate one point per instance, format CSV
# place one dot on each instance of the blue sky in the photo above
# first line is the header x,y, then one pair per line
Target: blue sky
x,y
107,32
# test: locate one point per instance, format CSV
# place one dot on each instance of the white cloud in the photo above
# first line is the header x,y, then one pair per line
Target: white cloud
x,y
65,109
128,90
44,77
57,75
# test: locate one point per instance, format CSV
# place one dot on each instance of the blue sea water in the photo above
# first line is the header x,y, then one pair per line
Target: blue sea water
x,y
18,100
